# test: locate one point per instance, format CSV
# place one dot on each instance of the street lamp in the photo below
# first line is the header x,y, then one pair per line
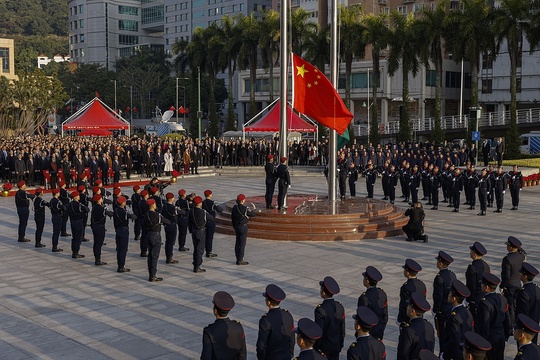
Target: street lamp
x,y
115,107
199,111
368,106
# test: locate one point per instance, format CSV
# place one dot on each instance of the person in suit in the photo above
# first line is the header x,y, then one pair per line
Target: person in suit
x,y
486,150
284,181
528,297
275,339
116,167
510,275
526,330
412,285
225,338
307,332
366,347
499,150
417,333
459,321
375,299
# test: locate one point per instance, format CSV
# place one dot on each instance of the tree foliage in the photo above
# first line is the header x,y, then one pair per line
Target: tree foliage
x,y
34,17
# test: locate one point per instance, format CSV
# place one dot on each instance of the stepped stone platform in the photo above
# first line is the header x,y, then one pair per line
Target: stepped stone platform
x,y
308,218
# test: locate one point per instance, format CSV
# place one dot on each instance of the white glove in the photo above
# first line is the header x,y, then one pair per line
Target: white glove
x,y
488,193
289,186
504,191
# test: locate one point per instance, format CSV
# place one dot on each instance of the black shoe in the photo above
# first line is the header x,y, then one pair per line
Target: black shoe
x,y
57,250
183,249
155,278
242,262
171,261
409,239
39,245
424,198
65,234
470,208
406,200
144,254
429,203
77,256
198,270
449,205
425,238
385,198
210,255
516,208
444,201
86,240
279,208
392,202
137,238
99,262
23,240
123,270
435,208
455,210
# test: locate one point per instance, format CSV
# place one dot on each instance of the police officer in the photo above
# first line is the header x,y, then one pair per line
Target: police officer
x,y
528,297
415,179
307,332
442,285
412,285
56,216
39,215
375,299
83,199
197,227
98,219
371,177
484,187
392,183
526,330
471,183
457,187
22,202
284,182
270,181
153,222
121,225
365,347
473,275
499,186
516,182
417,333
64,198
330,316
475,346
171,213
154,194
492,318
405,178
135,200
225,338
240,216
510,275
342,169
143,210
276,328
183,204
352,174
211,208
435,180
76,212
459,321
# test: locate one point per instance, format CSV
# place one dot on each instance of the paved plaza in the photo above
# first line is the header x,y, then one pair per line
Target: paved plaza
x,y
55,307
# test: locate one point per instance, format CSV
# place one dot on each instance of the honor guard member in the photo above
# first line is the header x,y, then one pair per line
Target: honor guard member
x,y
104,192
457,187
484,186
77,212
510,275
270,181
183,204
499,186
116,193
457,324
211,208
197,227
471,183
405,178
154,194
392,183
135,200
352,174
449,186
444,182
284,182
64,198
276,328
427,355
375,298
412,285
153,222
528,297
425,172
240,216
307,332
365,347
342,175
56,216
22,202
371,177
121,226
384,179
225,338
39,215
475,346
417,333
516,182
442,286
330,316
98,218
414,183
473,275
143,210
492,317
526,330
435,180
171,213
83,199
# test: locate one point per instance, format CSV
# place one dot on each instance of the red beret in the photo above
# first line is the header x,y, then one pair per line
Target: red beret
x,y
241,197
21,183
96,198
169,195
155,190
136,188
144,193
121,200
117,191
61,183
74,194
98,182
181,192
150,202
116,185
55,191
39,191
82,176
270,157
283,159
95,189
81,188
207,193
197,200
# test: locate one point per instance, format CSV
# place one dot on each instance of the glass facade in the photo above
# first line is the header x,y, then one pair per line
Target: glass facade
x,y
128,39
128,25
152,14
128,10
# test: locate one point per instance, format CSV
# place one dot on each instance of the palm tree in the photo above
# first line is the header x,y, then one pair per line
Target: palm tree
x,y
404,51
301,29
185,60
376,34
232,39
511,25
249,27
317,47
269,44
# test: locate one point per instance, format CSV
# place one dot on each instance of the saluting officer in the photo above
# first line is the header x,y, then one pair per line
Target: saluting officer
x,y
154,194
56,216
77,212
98,218
417,333
39,215
64,198
275,340
442,286
392,183
210,207
171,213
270,181
375,299
471,183
457,187
365,347
282,173
435,180
510,275
83,199
143,210
412,285
352,174
528,297
121,225
499,186
475,346
183,204
371,177
135,200
484,187
197,227
153,222
526,330
330,316
307,332
225,338
240,216
457,324
474,273
22,202
516,182
342,169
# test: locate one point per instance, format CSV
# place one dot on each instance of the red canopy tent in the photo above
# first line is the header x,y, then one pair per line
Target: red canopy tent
x,y
95,115
270,122
95,132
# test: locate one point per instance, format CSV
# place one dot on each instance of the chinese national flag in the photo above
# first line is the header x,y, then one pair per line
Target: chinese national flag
x,y
315,96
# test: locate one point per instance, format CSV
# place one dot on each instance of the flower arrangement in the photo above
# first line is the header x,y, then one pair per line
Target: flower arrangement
x,y
174,175
7,186
530,180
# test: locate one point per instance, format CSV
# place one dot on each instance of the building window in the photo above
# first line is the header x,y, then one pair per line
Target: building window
x,y
128,39
487,86
4,55
128,25
75,10
402,10
81,38
453,79
518,85
81,23
152,14
75,37
487,62
431,78
128,10
81,9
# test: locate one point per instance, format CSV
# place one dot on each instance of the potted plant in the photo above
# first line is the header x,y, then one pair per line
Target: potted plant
x,y
6,188
174,174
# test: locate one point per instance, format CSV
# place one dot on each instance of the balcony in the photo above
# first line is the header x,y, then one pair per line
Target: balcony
x,y
383,2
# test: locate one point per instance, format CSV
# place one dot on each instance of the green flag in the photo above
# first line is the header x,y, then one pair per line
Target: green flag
x,y
342,140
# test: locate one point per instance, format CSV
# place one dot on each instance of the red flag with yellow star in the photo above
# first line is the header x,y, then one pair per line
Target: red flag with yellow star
x,y
315,96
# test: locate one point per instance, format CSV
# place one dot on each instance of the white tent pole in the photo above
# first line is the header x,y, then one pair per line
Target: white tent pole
x,y
263,110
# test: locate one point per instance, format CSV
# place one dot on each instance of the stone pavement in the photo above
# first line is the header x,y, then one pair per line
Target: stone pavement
x,y
54,307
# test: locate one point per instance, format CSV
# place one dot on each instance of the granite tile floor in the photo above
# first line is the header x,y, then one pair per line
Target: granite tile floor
x,y
55,307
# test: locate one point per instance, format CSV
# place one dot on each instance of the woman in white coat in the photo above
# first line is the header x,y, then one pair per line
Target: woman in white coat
x,y
168,159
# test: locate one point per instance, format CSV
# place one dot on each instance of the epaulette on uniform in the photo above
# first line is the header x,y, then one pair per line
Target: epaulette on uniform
x,y
319,305
265,314
404,324
453,313
353,345
364,293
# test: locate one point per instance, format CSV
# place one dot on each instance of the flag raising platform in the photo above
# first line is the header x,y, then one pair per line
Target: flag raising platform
x,y
307,218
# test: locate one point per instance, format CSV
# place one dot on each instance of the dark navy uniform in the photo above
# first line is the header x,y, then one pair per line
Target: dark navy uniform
x,y
282,173
143,244
353,178
528,302
442,285
39,218
64,198
510,283
484,187
414,184
136,198
171,213
435,180
276,335
77,213
330,316
197,227
98,218
473,277
211,208
457,187
371,177
22,202
240,215
528,352
516,182
224,340
499,186
471,183
409,287
121,226
56,216
376,299
457,324
270,182
366,348
183,204
153,222
342,177
492,323
414,336
391,187
309,354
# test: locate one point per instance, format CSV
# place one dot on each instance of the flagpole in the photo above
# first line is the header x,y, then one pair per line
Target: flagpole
x,y
332,151
283,91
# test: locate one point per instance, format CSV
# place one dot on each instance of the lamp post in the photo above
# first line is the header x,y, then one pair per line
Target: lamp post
x,y
131,104
199,111
367,106
183,78
115,107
